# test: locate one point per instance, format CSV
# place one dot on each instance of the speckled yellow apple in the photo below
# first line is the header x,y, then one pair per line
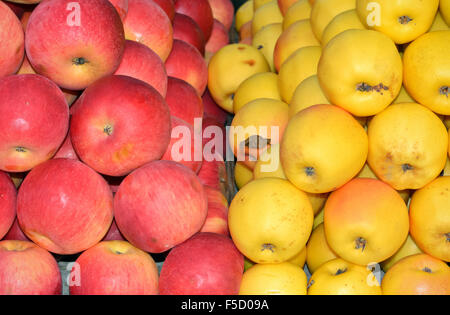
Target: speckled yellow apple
x,y
260,85
339,277
419,274
299,10
307,93
346,20
274,279
323,11
400,153
299,34
257,125
367,78
366,221
299,66
430,218
229,67
244,14
266,14
313,136
266,39
258,225
402,20
319,252
427,71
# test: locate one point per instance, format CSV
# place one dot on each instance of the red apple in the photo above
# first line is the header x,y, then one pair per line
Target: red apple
x,y
75,47
64,206
186,29
218,39
148,24
211,109
121,7
182,146
168,7
120,124
15,233
223,11
69,95
214,137
34,119
217,219
140,62
8,197
160,205
27,269
200,11
114,268
66,150
12,41
113,233
183,100
206,264
186,63
213,171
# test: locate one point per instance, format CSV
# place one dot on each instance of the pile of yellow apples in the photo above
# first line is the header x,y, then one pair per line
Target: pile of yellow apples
x,y
340,130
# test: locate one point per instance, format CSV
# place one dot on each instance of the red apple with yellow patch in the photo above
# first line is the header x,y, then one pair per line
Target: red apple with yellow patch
x,y
120,124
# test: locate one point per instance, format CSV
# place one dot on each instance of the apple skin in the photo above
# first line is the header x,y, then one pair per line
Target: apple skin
x,y
120,124
64,206
223,11
8,198
148,24
183,100
200,11
12,38
27,269
179,125
34,119
217,219
186,63
140,62
168,6
218,39
213,171
121,7
160,205
211,109
206,264
187,30
115,268
75,56
15,233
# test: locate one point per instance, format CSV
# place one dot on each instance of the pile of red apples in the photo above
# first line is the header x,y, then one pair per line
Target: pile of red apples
x,y
90,94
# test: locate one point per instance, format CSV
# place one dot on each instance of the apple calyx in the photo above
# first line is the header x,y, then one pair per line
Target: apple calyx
x,y
340,271
407,167
404,19
270,247
447,236
108,129
365,87
427,270
21,149
310,171
79,61
444,90
360,243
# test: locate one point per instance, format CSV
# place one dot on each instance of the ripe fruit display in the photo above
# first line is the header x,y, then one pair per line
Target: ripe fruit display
x,y
224,147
